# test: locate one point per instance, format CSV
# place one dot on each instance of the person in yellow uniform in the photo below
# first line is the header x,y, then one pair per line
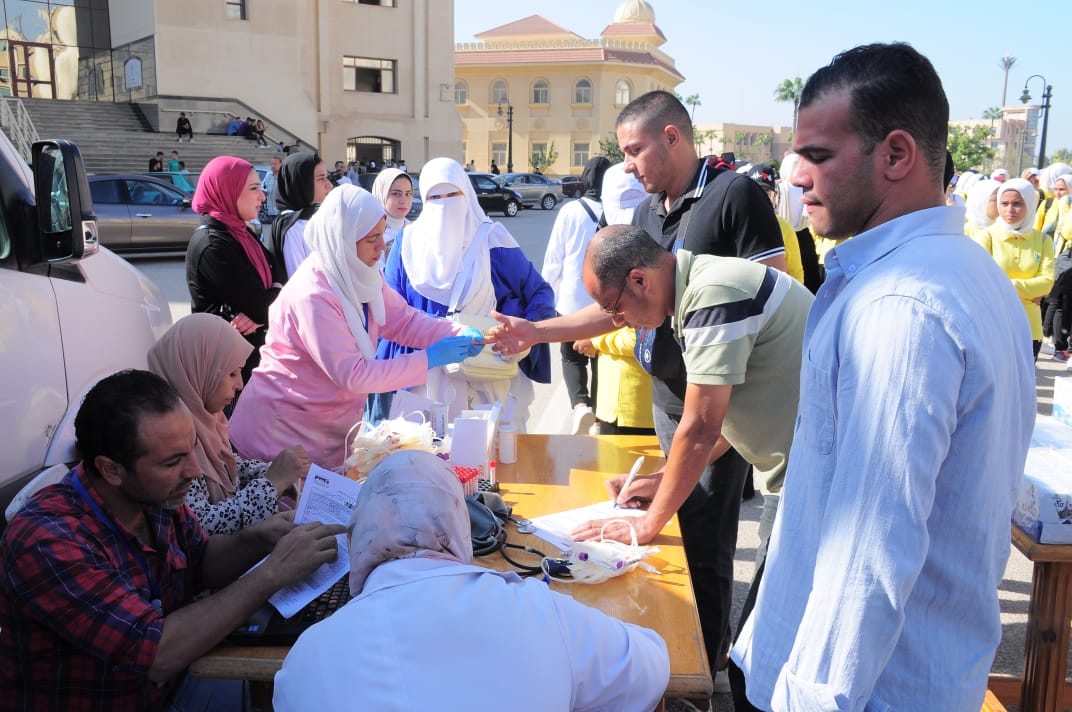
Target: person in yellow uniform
x,y
1024,253
766,177
981,208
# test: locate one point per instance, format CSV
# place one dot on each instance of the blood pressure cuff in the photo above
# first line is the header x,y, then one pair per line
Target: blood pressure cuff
x,y
487,514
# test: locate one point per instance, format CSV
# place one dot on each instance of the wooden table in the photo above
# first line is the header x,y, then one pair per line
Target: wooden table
x,y
556,473
1049,615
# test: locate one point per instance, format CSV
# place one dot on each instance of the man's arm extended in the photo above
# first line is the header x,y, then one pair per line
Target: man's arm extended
x,y
690,453
516,334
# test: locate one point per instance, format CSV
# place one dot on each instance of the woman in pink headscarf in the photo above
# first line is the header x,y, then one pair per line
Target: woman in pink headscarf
x,y
228,271
201,356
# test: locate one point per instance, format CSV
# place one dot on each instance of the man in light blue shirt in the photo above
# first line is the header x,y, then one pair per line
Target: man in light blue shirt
x,y
916,407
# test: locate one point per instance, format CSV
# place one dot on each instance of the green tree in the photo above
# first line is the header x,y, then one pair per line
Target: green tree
x,y
1006,64
992,114
790,90
1061,155
693,100
542,160
764,140
970,146
609,147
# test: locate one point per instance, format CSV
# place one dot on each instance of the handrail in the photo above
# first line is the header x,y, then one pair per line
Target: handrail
x,y
250,111
16,121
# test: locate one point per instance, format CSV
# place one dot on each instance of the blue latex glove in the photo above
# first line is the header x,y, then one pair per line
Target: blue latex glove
x,y
476,345
449,350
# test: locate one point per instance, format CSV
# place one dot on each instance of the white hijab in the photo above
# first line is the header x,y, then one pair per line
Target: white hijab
x,y
381,187
346,216
978,196
1048,175
622,193
791,197
436,250
1030,197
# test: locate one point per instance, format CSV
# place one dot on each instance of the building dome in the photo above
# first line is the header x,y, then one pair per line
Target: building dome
x,y
634,11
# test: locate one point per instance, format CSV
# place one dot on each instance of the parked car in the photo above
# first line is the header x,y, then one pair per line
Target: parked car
x,y
535,189
365,180
571,186
493,196
141,213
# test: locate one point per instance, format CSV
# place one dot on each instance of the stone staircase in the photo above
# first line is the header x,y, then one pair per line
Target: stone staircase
x,y
116,138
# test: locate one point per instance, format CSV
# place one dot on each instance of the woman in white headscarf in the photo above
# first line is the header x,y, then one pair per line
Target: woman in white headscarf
x,y
454,260
981,207
319,365
394,189
790,207
423,613
1024,253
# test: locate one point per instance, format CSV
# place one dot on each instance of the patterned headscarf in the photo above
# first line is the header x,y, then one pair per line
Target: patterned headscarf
x,y
217,193
411,505
194,356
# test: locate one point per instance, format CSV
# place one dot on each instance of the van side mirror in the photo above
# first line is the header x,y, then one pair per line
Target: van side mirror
x,y
66,222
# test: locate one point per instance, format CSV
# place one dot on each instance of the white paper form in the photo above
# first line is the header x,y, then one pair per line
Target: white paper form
x,y
328,498
556,528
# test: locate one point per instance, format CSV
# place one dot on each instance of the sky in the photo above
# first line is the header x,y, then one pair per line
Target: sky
x,y
763,43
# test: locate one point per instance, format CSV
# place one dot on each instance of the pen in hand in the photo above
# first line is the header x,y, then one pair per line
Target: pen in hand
x,y
629,480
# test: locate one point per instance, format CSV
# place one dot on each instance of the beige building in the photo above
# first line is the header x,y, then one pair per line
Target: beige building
x,y
563,92
748,142
1013,138
354,78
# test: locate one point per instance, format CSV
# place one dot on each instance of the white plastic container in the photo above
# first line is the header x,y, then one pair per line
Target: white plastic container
x,y
507,444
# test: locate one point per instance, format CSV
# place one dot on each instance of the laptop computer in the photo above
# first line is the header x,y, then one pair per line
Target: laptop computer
x,y
268,627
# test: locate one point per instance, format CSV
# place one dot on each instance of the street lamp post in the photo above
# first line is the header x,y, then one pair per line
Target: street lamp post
x,y
1047,94
509,134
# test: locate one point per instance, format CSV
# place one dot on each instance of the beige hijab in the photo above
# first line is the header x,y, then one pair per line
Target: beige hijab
x,y
194,356
411,505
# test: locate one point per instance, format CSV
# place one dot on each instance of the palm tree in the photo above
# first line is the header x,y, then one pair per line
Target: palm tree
x,y
790,90
693,100
992,114
1006,64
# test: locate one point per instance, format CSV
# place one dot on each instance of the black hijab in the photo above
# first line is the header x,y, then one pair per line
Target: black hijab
x,y
294,191
592,177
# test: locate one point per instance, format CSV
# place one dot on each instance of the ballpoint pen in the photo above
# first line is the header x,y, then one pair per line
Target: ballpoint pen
x,y
632,476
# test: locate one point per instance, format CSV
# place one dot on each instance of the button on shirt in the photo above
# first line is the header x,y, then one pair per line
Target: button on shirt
x,y
916,408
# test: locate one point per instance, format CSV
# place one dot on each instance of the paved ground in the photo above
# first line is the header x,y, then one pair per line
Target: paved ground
x,y
551,414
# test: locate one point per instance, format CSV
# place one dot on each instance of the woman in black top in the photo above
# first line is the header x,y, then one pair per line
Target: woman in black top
x,y
228,271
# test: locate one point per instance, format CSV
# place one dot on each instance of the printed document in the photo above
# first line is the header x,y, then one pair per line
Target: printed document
x,y
556,528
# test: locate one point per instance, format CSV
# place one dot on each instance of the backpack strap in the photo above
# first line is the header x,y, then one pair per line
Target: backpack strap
x,y
587,209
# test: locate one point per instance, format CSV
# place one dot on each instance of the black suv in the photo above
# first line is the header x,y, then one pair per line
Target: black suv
x,y
493,196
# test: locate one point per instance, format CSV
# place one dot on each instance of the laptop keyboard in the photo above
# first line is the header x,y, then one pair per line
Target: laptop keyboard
x,y
326,603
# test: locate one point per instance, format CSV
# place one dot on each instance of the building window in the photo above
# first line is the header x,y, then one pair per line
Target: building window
x,y
236,9
582,92
623,93
369,75
580,153
499,92
541,92
498,154
461,93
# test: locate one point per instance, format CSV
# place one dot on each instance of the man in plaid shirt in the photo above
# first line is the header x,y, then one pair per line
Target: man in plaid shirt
x,y
98,573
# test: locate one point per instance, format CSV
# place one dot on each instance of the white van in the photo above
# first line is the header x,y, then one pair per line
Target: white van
x,y
71,312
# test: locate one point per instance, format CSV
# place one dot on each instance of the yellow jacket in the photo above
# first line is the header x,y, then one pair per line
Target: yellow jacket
x,y
822,245
1028,261
624,392
793,265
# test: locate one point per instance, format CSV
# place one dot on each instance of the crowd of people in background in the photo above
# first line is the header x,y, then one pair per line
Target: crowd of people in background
x,y
766,321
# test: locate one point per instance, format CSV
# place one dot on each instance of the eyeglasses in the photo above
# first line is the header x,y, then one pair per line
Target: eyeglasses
x,y
613,310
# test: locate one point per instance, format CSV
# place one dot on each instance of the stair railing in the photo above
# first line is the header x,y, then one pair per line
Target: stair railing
x,y
16,122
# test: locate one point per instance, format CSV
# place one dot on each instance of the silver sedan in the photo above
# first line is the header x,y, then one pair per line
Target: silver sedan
x,y
535,189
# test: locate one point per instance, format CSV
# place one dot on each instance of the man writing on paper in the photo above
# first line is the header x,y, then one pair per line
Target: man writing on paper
x,y
916,408
98,573
740,326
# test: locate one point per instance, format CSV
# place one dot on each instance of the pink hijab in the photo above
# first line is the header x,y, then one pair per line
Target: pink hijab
x,y
194,356
218,188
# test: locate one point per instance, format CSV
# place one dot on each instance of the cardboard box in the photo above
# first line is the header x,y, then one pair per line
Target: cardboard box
x,y
1044,507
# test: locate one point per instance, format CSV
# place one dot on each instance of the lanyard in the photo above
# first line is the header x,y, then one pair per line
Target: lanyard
x,y
102,516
